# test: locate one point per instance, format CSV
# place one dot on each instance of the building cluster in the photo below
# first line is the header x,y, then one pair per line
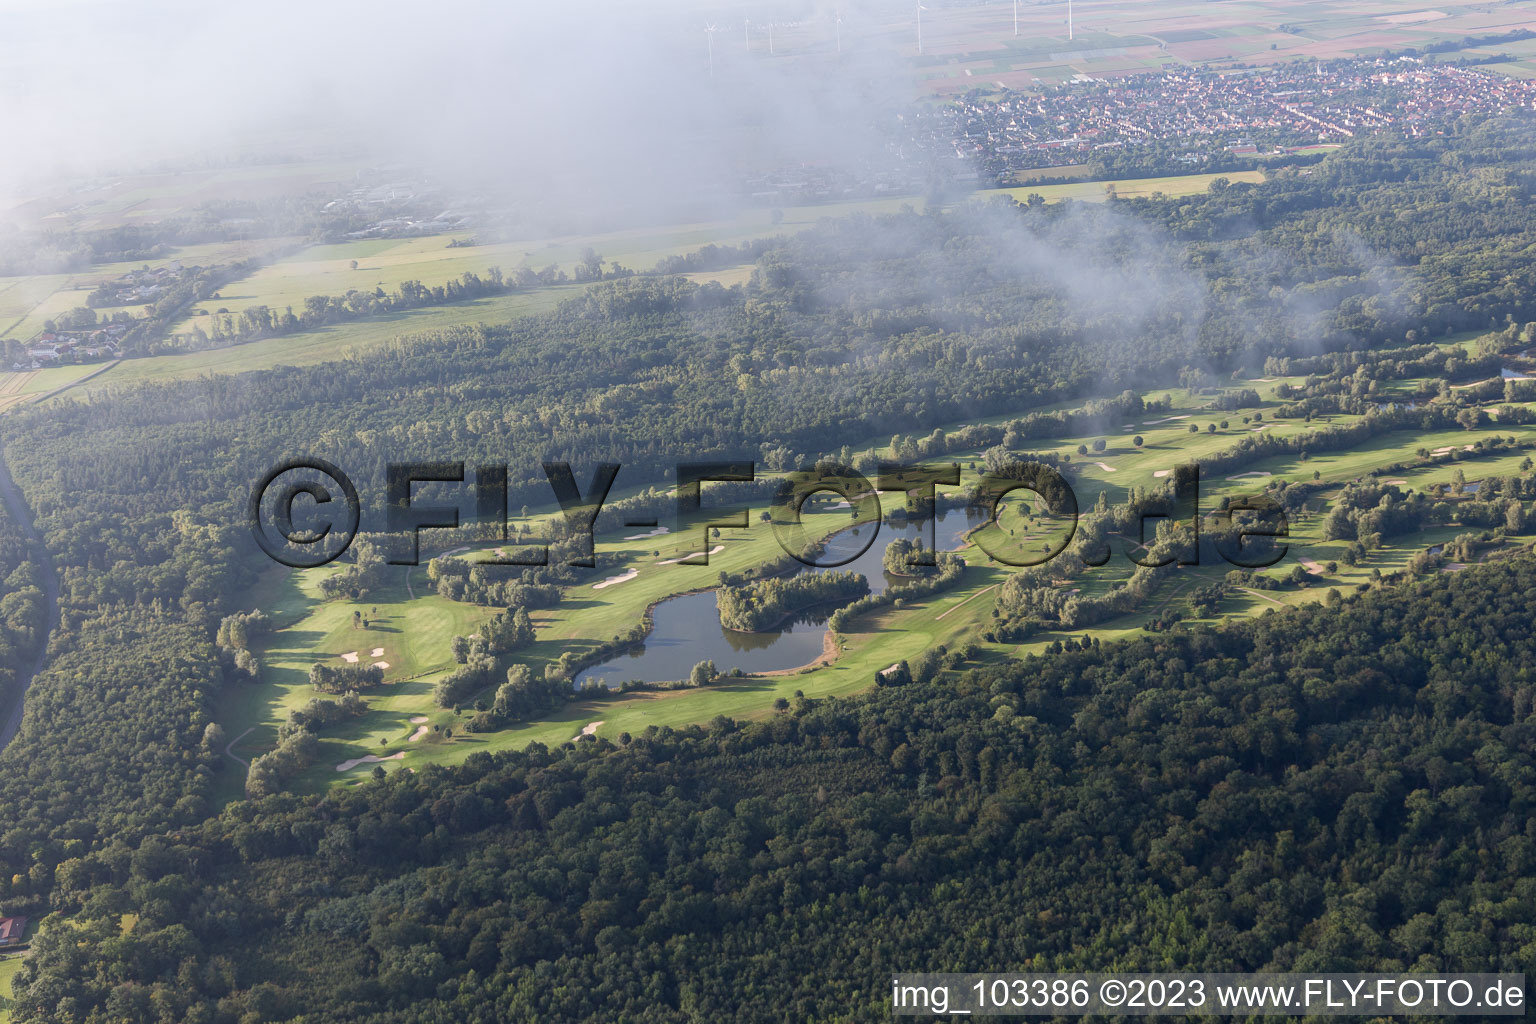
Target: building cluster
x,y
1251,110
399,208
140,286
76,346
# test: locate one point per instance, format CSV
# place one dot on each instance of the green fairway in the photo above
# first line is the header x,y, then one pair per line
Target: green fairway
x,y
639,571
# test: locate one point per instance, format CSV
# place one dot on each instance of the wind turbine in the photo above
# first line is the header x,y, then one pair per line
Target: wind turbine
x,y
746,33
1015,17
770,39
920,10
709,35
1069,19
839,27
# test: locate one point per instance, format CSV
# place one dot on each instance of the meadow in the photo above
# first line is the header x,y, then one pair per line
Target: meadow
x,y
27,302
20,387
8,967
414,631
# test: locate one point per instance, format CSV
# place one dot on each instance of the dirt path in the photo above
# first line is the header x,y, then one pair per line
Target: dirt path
x,y
229,749
16,504
1262,596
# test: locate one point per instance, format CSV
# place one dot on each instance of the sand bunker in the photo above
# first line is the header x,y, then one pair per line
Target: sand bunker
x,y
1250,473
421,731
1166,419
377,652
381,665
713,551
347,766
654,533
1469,447
1443,451
613,581
1453,567
350,657
1312,567
1162,473
587,730
1395,483
1261,426
418,719
1106,468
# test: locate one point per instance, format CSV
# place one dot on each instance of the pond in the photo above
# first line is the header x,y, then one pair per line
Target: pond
x,y
686,630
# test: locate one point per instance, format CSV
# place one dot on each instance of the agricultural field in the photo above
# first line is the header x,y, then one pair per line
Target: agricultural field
x,y
386,263
26,303
19,388
970,47
147,197
328,270
338,341
1128,188
413,626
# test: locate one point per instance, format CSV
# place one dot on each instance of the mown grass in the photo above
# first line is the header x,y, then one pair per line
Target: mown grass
x,y
9,966
874,642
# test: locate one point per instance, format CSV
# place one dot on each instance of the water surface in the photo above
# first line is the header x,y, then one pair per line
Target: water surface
x,y
687,629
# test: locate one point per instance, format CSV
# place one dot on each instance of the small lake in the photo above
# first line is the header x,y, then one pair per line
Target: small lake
x,y
687,629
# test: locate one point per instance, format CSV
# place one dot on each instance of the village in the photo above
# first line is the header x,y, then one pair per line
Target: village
x,y
1247,111
51,348
988,139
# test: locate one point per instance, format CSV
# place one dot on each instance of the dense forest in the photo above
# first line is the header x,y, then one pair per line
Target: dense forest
x,y
1284,793
1344,788
764,604
23,607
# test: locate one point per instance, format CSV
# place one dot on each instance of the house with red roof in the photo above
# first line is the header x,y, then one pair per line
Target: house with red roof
x,y
11,930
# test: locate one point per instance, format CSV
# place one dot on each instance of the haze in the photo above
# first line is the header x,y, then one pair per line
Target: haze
x,y
597,106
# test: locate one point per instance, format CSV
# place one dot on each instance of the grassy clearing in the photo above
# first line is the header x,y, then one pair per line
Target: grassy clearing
x,y
8,967
1128,188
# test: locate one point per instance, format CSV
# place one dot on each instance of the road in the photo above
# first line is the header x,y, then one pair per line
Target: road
x,y
11,495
